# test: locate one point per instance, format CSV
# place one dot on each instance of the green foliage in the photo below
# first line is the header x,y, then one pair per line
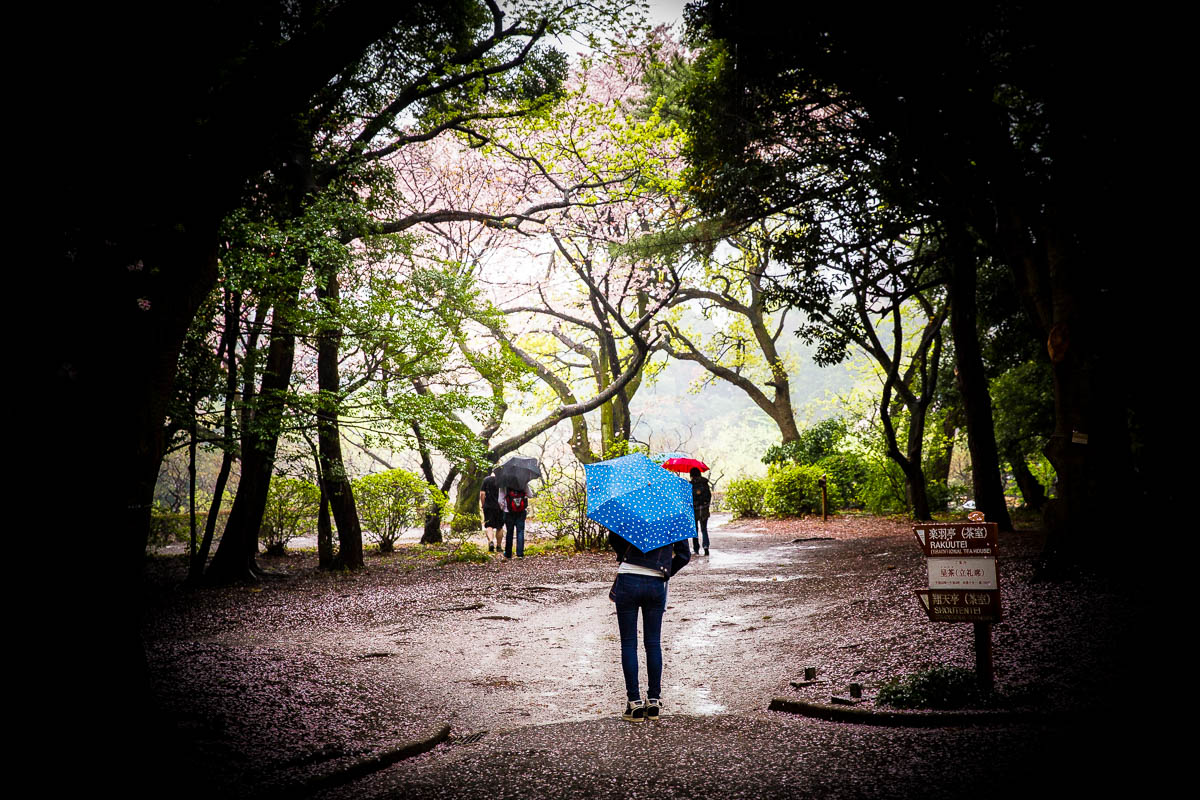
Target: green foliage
x,y
746,497
466,524
883,492
292,506
167,527
815,443
388,502
847,475
563,546
793,490
562,507
942,687
466,553
938,494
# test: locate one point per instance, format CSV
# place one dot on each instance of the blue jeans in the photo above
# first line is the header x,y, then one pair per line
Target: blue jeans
x,y
514,521
632,592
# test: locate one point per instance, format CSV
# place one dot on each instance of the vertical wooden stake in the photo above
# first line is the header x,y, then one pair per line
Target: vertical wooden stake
x,y
824,499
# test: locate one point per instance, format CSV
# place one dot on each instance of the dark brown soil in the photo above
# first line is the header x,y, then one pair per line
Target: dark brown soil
x,y
310,672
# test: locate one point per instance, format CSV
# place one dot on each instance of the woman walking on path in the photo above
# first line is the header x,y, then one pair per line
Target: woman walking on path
x,y
701,499
641,583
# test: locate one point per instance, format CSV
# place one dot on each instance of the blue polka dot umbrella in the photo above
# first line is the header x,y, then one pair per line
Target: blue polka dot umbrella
x,y
640,501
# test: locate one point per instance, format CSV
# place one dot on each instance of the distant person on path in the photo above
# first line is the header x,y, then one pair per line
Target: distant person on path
x,y
701,499
516,504
493,514
641,583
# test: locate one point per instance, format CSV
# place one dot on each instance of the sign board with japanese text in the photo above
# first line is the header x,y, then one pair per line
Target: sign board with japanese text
x,y
963,580
962,573
957,539
956,605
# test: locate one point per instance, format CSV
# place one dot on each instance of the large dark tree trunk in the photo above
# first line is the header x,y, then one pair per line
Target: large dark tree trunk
x,y
235,556
1031,489
973,387
333,470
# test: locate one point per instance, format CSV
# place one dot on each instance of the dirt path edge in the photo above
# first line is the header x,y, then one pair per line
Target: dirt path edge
x,y
899,719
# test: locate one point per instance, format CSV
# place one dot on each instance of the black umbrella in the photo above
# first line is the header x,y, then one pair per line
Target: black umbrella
x,y
517,472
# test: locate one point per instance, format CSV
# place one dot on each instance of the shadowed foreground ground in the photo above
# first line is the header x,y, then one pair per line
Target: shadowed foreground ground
x,y
275,688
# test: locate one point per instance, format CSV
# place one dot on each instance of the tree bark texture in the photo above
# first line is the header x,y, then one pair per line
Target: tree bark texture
x,y
235,556
329,435
973,386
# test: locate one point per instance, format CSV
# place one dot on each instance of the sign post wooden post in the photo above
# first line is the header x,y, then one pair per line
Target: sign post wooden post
x,y
964,583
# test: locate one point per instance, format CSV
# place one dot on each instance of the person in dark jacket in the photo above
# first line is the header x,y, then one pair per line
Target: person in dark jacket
x,y
641,583
701,499
493,514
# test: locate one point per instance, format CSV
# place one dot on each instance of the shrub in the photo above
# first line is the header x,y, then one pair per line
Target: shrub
x,y
466,524
883,491
562,507
292,505
745,497
815,443
847,477
466,553
793,490
388,502
938,494
167,527
942,687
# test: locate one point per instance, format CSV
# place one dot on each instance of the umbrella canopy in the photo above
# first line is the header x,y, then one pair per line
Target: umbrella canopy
x,y
517,472
635,499
684,464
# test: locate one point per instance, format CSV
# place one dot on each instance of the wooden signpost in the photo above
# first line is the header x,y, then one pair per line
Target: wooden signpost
x,y
964,584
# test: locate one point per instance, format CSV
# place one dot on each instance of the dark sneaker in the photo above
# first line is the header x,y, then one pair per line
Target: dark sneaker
x,y
635,711
706,551
491,548
652,709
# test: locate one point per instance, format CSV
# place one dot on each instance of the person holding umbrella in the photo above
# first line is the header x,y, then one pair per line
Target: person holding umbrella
x,y
514,476
701,499
648,513
493,514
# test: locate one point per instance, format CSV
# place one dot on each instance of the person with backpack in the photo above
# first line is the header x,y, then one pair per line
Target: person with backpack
x,y
516,504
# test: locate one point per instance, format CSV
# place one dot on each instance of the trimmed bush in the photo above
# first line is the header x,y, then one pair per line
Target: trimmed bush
x,y
943,687
793,490
292,505
745,497
388,502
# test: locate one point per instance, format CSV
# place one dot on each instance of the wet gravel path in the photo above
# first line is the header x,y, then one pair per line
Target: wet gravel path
x,y
274,685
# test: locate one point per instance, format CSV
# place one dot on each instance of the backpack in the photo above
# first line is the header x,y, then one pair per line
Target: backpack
x,y
516,500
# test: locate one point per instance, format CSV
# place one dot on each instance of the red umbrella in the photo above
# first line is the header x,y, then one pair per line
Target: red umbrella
x,y
684,464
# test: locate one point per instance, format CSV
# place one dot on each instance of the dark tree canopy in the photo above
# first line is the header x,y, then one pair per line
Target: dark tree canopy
x,y
1004,127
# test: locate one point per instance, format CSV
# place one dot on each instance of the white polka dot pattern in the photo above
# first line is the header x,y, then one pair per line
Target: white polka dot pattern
x,y
640,501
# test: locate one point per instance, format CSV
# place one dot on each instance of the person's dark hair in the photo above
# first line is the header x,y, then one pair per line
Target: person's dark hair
x,y
694,472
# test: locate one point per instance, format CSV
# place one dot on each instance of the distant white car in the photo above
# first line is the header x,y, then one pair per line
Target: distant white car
x,y
969,505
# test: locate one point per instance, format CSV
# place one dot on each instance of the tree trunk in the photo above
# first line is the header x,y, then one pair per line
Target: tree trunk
x,y
973,386
466,501
325,555
915,488
232,327
329,435
432,534
235,556
1031,489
